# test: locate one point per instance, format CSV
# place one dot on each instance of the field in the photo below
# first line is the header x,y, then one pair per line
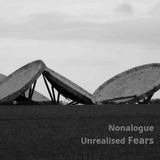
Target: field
x,y
47,132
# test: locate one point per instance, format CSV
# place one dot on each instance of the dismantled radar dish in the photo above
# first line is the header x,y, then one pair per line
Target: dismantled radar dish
x,y
67,88
36,95
19,81
131,86
2,76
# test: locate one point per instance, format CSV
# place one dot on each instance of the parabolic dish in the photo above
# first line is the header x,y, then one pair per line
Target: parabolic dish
x,y
19,81
130,86
67,88
2,76
36,95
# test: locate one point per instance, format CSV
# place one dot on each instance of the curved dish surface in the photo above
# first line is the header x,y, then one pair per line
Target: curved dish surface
x,y
130,86
67,88
19,81
2,76
37,96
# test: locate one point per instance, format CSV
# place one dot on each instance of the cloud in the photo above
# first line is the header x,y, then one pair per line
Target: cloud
x,y
125,9
155,10
55,26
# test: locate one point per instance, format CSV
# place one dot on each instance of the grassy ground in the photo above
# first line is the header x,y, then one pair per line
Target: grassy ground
x,y
54,132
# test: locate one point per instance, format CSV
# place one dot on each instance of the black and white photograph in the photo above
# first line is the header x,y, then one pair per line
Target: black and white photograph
x,y
79,79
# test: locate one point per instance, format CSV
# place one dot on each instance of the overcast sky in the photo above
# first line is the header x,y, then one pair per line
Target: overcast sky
x,y
88,41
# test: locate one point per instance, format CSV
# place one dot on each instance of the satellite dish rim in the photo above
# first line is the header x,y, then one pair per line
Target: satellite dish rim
x,y
36,95
22,88
155,87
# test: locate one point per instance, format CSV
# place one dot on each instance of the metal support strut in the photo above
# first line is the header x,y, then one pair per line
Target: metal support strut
x,y
51,90
31,90
50,94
